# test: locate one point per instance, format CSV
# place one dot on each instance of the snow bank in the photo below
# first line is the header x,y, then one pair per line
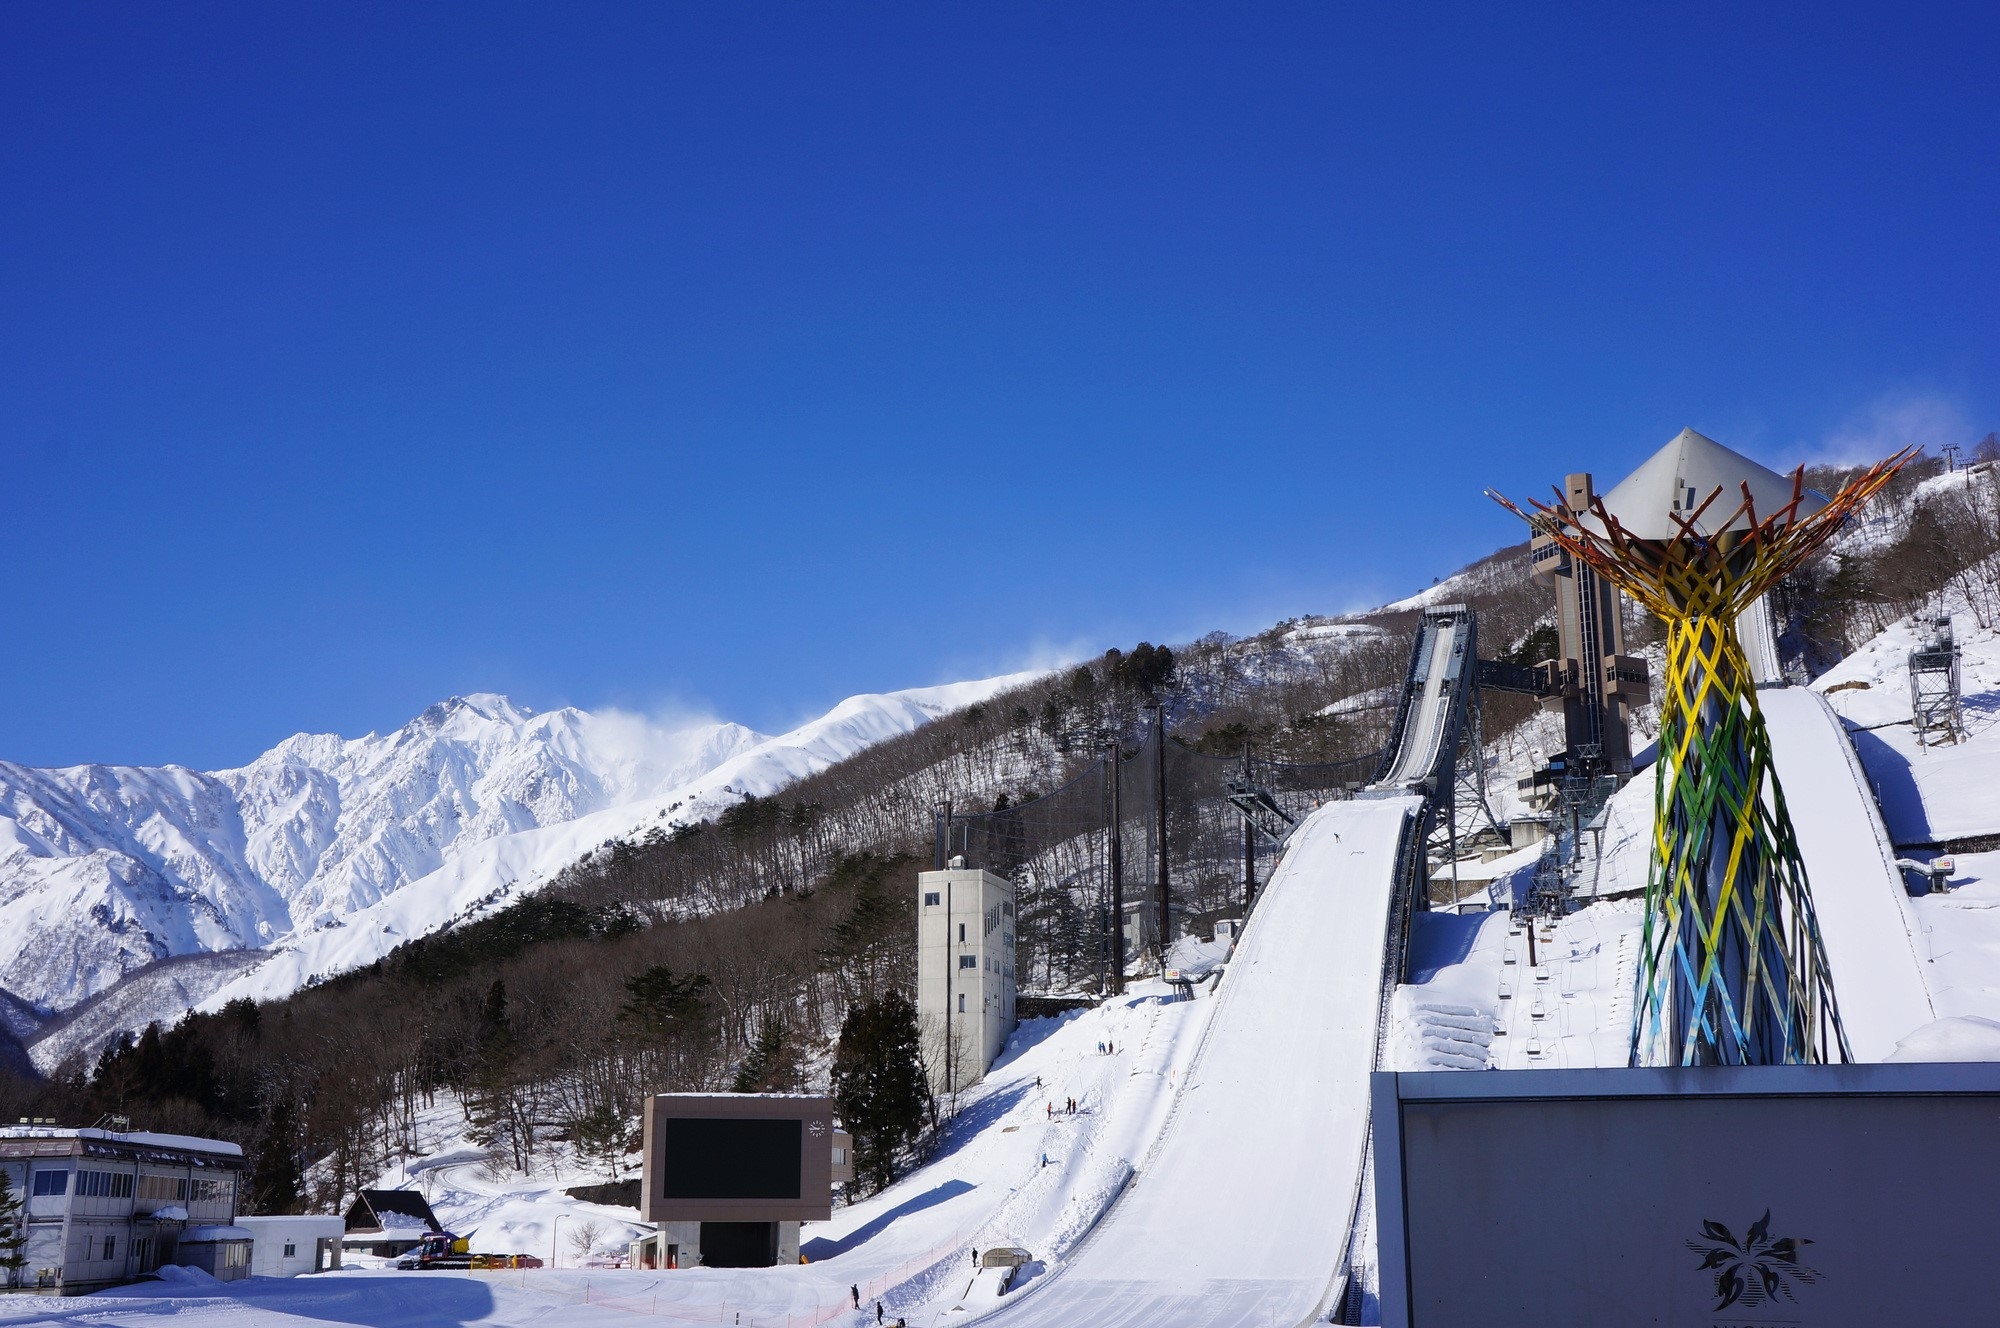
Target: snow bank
x,y
1955,1038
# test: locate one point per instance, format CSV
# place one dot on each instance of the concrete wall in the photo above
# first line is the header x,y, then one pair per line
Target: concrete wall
x,y
965,971
303,1234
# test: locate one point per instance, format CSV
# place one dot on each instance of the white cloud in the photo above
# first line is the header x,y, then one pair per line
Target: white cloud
x,y
1887,425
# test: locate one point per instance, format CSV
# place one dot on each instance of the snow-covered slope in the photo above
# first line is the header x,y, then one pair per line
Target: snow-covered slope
x,y
488,874
131,865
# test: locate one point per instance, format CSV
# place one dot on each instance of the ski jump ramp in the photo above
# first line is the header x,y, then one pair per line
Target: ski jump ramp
x,y
1240,1216
1865,919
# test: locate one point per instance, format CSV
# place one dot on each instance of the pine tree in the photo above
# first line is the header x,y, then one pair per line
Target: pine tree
x,y
771,1066
275,1181
13,1232
879,1085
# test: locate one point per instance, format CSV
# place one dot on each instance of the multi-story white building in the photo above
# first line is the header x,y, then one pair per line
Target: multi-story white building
x,y
102,1207
965,971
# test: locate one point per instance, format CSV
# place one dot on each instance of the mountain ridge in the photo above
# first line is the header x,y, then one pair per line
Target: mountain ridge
x,y
135,864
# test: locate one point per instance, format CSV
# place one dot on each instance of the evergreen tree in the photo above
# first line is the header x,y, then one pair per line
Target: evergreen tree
x,y
13,1232
276,1178
601,1133
879,1085
771,1066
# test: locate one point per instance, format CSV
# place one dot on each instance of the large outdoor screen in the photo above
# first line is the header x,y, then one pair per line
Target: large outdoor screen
x,y
706,1157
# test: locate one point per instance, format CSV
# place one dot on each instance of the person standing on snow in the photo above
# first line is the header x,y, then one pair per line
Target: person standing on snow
x,y
855,1292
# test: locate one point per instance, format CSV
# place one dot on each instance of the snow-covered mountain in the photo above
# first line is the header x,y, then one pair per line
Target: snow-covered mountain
x,y
325,851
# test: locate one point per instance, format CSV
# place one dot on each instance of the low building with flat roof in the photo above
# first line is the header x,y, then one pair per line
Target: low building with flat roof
x,y
288,1244
104,1207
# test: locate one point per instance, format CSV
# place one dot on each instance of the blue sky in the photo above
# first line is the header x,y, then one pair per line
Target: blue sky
x,y
739,358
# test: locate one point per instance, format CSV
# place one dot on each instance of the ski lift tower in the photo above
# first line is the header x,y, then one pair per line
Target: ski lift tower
x,y
1934,687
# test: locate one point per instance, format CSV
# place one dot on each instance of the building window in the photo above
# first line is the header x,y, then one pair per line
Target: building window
x,y
51,1182
291,1250
968,961
961,1002
931,899
104,1184
110,1244
961,933
164,1188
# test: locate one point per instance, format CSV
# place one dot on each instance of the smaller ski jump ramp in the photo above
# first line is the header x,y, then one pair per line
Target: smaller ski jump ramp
x,y
1429,729
1240,1217
1865,920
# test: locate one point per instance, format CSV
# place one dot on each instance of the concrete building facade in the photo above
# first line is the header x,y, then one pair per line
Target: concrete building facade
x,y
965,972
103,1207
1595,681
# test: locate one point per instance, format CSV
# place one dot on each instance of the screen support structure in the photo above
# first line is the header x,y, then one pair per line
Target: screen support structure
x,y
1731,970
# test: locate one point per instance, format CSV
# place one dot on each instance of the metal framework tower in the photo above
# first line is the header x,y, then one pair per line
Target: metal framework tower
x,y
1732,970
1934,701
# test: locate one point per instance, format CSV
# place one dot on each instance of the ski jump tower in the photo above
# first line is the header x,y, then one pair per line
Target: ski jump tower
x,y
1731,970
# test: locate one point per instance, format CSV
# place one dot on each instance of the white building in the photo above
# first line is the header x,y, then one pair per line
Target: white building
x,y
102,1207
965,971
288,1245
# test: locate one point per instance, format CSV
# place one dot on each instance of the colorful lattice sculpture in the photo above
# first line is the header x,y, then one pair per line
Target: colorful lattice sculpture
x,y
1732,970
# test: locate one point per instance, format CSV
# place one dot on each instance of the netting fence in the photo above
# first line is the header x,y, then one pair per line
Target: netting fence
x,y
1074,851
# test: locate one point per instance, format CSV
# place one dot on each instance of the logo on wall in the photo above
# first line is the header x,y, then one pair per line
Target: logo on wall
x,y
1757,1270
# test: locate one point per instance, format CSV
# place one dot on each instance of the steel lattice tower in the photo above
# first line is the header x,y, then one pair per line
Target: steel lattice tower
x,y
1731,971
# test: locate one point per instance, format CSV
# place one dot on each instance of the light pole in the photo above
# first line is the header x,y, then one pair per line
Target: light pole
x,y
554,1232
1107,739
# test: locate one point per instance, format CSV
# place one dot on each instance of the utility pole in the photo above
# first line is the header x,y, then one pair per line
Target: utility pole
x,y
1249,844
1117,872
1160,821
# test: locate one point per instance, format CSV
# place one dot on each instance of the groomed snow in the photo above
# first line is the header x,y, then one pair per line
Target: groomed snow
x,y
1241,1216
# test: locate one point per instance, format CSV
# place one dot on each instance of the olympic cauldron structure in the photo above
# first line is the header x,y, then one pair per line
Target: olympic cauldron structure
x,y
1732,971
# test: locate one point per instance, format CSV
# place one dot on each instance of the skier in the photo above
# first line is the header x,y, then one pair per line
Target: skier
x,y
855,1292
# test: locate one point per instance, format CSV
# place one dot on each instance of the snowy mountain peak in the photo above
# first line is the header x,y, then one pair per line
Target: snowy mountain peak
x,y
476,796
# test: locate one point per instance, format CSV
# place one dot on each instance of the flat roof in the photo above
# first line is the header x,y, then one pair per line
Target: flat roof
x,y
91,1142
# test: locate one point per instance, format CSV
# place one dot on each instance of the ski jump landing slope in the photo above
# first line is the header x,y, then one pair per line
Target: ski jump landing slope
x,y
1865,919
1239,1218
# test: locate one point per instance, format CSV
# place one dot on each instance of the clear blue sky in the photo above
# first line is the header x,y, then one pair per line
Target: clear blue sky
x,y
744,358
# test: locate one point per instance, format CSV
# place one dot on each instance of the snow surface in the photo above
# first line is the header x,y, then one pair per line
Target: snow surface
x,y
1929,793
908,1245
380,837
1240,1216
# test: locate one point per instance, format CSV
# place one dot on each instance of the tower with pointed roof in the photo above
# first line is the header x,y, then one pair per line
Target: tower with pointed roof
x,y
1732,971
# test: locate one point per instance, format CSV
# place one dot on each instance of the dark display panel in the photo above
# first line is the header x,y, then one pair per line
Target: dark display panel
x,y
706,1157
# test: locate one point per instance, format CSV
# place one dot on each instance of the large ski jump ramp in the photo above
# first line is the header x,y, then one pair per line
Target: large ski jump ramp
x,y
1865,918
1239,1218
